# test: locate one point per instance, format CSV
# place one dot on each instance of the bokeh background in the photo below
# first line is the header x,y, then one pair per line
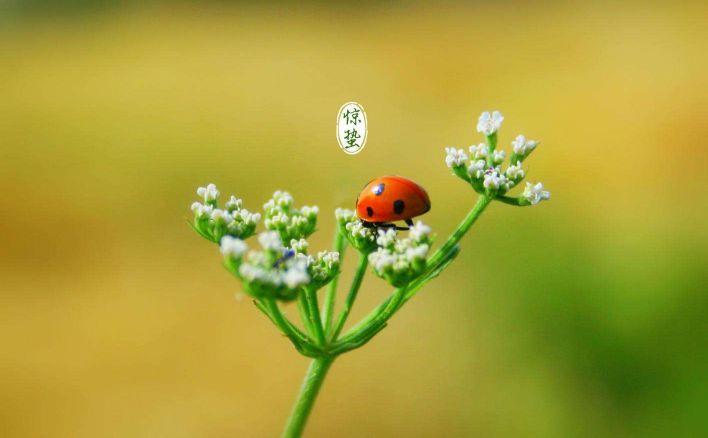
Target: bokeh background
x,y
584,316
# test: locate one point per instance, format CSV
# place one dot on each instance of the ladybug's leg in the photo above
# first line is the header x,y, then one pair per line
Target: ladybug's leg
x,y
409,222
391,225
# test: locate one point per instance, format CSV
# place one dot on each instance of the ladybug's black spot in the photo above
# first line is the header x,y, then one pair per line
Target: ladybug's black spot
x,y
398,206
378,189
369,211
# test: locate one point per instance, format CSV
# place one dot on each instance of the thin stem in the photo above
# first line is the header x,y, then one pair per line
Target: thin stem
x,y
304,308
314,313
298,338
308,393
482,203
330,298
491,144
353,290
512,200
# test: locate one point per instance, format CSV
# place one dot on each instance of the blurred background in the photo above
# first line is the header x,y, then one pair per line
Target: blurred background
x,y
584,316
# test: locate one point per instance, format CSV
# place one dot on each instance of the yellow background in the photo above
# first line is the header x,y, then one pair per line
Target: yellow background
x,y
584,316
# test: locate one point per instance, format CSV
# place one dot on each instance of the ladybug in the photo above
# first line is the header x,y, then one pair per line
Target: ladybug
x,y
388,199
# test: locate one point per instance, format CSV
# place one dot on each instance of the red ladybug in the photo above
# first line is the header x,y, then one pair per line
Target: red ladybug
x,y
391,198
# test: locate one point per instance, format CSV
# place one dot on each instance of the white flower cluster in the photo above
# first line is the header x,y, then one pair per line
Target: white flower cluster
x,y
360,237
214,223
208,193
488,123
522,147
534,193
482,168
278,271
400,261
290,223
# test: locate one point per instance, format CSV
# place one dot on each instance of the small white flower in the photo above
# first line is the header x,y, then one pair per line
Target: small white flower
x,y
233,204
488,124
498,156
233,247
282,198
252,273
357,229
494,180
306,259
479,151
419,231
417,252
330,258
246,216
310,211
298,221
477,168
202,211
386,237
515,172
219,215
299,245
208,193
296,276
535,193
344,215
455,157
270,240
522,146
277,220
381,259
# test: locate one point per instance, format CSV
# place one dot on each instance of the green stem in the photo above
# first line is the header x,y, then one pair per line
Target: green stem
x,y
314,313
491,144
482,203
298,338
304,308
330,298
353,290
308,393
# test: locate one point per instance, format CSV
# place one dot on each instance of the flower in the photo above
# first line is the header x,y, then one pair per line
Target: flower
x,y
455,157
280,200
289,222
299,245
270,241
233,247
296,276
221,216
213,223
360,237
488,124
386,237
419,231
202,211
534,193
498,157
522,146
330,258
381,259
344,215
476,169
515,172
400,261
493,180
233,204
208,193
479,151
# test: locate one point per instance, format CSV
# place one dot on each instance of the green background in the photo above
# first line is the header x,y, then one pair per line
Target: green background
x,y
584,316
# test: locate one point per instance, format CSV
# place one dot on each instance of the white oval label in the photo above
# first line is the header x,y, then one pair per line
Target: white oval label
x,y
351,128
